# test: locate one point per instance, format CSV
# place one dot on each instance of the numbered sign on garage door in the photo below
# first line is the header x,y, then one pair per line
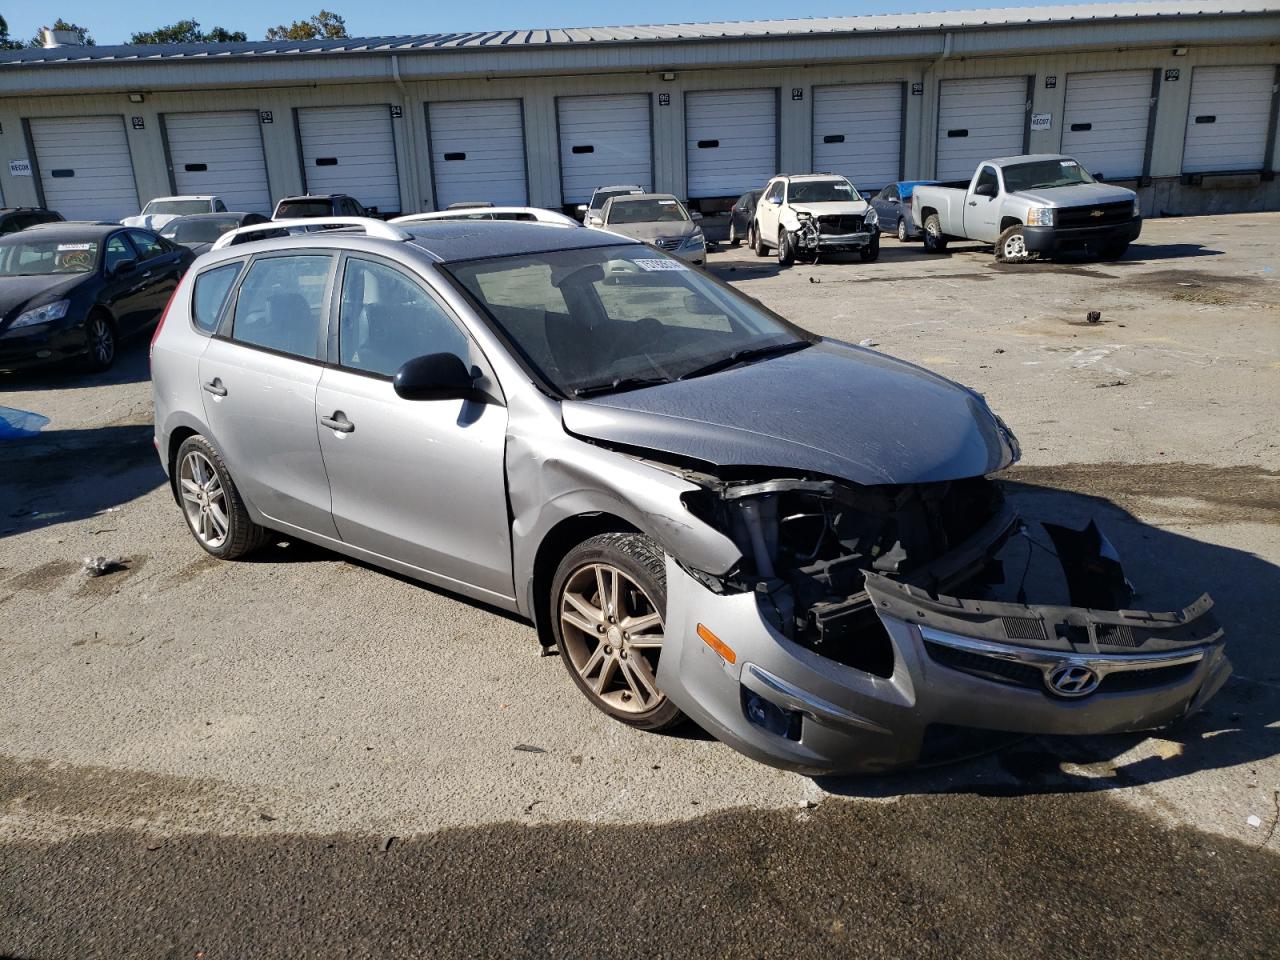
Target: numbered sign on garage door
x,y
1104,123
477,152
86,172
220,154
351,150
603,141
857,132
1228,120
979,120
731,138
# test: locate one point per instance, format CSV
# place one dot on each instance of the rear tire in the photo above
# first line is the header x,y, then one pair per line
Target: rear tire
x,y
786,248
215,513
608,603
934,240
757,242
902,230
1011,247
734,239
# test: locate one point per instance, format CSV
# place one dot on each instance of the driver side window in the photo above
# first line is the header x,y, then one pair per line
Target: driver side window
x,y
775,192
386,318
117,251
987,178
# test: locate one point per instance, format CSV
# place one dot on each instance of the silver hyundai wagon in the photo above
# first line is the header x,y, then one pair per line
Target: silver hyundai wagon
x,y
708,511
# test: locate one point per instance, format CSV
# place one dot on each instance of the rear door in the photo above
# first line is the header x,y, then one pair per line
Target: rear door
x,y
219,154
604,140
351,150
259,377
979,120
1104,121
160,267
731,140
86,171
421,482
477,152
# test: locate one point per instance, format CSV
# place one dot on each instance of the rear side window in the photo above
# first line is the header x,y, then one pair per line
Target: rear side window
x,y
210,295
281,304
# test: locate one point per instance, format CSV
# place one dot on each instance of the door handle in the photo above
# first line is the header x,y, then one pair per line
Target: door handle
x,y
973,203
338,422
147,274
215,387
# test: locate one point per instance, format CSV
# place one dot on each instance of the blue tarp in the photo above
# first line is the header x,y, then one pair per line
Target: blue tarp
x,y
20,423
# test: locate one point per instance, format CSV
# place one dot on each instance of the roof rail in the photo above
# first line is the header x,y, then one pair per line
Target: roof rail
x,y
372,228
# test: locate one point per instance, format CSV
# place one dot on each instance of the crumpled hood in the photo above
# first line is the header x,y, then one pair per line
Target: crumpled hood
x,y
833,208
648,232
1078,195
832,408
19,293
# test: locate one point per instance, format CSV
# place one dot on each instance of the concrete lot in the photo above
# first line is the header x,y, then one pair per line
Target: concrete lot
x,y
199,756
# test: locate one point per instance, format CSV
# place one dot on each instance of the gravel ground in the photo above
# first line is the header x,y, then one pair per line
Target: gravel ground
x,y
197,756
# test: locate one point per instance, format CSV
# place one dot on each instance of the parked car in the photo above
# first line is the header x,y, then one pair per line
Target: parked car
x,y
893,209
656,218
320,205
812,214
530,214
469,204
74,290
740,217
161,210
707,510
1027,205
198,231
13,219
601,195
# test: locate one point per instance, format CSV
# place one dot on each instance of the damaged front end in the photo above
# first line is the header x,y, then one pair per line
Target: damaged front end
x,y
833,232
866,625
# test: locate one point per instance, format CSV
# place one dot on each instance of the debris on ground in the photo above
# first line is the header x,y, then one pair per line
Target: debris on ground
x,y
999,350
1255,820
1113,383
868,343
814,280
1093,316
529,748
101,566
386,844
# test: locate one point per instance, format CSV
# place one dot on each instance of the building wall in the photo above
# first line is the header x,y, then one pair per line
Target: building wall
x,y
318,87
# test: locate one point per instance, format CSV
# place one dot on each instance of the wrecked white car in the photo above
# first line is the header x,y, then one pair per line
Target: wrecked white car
x,y
708,511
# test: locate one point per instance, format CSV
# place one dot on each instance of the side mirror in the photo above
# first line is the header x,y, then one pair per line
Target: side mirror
x,y
437,376
695,215
594,221
581,208
776,201
124,267
985,190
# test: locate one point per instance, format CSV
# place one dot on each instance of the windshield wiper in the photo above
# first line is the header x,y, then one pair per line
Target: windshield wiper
x,y
745,356
618,385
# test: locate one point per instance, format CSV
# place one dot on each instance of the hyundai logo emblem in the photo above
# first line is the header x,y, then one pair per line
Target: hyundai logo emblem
x,y
1073,680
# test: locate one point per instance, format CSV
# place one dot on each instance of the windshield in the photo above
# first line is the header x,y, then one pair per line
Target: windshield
x,y
199,231
647,211
821,191
1043,174
304,208
601,197
32,258
179,207
588,320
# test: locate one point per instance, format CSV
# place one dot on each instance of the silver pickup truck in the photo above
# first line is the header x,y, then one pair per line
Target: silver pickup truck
x,y
1029,205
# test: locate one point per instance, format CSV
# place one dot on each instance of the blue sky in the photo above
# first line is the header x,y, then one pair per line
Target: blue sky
x,y
113,23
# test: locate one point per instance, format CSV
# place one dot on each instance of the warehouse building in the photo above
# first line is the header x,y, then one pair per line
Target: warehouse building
x,y
1179,99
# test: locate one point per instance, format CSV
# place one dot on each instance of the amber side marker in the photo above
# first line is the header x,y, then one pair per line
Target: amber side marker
x,y
716,644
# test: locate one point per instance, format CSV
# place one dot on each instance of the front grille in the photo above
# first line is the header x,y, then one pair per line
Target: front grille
x,y
1098,215
1124,681
837,225
991,668
667,243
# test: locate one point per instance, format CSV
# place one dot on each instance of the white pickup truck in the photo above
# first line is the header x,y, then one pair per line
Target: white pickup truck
x,y
1040,203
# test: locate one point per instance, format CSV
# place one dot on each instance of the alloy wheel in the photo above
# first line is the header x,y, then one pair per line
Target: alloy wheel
x,y
102,342
204,499
1015,247
613,635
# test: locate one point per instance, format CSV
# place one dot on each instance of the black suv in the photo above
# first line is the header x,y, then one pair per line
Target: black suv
x,y
321,205
13,219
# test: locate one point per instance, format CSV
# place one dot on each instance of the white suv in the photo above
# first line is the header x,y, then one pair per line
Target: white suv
x,y
812,214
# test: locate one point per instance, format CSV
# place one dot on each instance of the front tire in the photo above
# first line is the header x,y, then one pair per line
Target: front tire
x,y
608,601
757,241
934,240
1011,247
871,252
100,341
215,513
786,248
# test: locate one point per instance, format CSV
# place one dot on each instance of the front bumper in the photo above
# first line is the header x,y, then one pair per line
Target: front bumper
x,y
1050,239
812,240
37,346
957,664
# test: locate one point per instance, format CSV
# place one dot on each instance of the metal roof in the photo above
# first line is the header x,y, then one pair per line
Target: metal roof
x,y
451,241
728,30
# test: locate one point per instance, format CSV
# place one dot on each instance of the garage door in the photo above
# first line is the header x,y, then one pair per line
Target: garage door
x,y
1104,121
351,150
86,172
857,132
477,152
604,140
978,120
1228,120
219,154
731,138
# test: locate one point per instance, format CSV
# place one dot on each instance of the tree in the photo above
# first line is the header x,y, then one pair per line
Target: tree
x,y
5,42
323,26
188,31
60,24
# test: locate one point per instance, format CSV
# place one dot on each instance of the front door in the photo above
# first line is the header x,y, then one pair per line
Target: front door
x,y
125,294
982,216
421,482
259,390
767,212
